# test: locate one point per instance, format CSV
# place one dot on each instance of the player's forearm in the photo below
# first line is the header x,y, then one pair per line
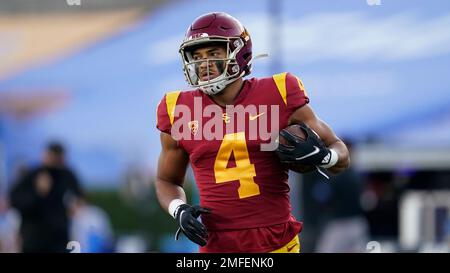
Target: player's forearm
x,y
167,191
343,157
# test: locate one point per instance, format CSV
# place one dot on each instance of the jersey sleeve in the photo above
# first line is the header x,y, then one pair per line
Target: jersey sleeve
x,y
291,90
165,112
296,93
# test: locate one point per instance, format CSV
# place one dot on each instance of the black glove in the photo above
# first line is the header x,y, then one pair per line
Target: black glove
x,y
311,151
194,230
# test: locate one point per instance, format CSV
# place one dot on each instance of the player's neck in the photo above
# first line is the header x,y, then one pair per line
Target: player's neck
x,y
229,94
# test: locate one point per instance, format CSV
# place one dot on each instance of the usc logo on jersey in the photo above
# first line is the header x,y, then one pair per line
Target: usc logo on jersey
x,y
193,126
225,118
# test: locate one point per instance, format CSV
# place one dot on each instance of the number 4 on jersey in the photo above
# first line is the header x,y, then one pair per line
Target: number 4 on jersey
x,y
244,170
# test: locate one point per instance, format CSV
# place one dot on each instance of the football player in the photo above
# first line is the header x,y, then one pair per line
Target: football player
x,y
244,192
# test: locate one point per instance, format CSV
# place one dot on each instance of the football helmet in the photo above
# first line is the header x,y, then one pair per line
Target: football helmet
x,y
214,28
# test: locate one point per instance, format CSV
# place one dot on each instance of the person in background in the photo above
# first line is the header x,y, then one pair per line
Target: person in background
x,y
43,197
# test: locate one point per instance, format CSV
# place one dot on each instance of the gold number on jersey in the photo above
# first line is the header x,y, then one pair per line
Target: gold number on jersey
x,y
244,170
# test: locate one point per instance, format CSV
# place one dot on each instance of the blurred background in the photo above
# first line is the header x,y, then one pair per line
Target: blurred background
x,y
89,74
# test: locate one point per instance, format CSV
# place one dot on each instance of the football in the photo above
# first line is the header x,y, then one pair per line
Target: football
x,y
296,130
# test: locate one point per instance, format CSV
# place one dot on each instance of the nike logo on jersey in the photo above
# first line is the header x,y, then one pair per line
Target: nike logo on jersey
x,y
316,150
257,116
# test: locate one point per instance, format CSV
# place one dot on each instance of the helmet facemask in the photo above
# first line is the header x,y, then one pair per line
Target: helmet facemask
x,y
227,68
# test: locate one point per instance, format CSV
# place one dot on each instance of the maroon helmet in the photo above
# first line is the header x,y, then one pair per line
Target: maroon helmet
x,y
217,27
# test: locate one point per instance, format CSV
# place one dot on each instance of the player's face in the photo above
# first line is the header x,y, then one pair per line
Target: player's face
x,y
209,61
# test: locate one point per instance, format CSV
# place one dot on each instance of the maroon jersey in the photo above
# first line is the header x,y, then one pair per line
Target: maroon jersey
x,y
245,187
